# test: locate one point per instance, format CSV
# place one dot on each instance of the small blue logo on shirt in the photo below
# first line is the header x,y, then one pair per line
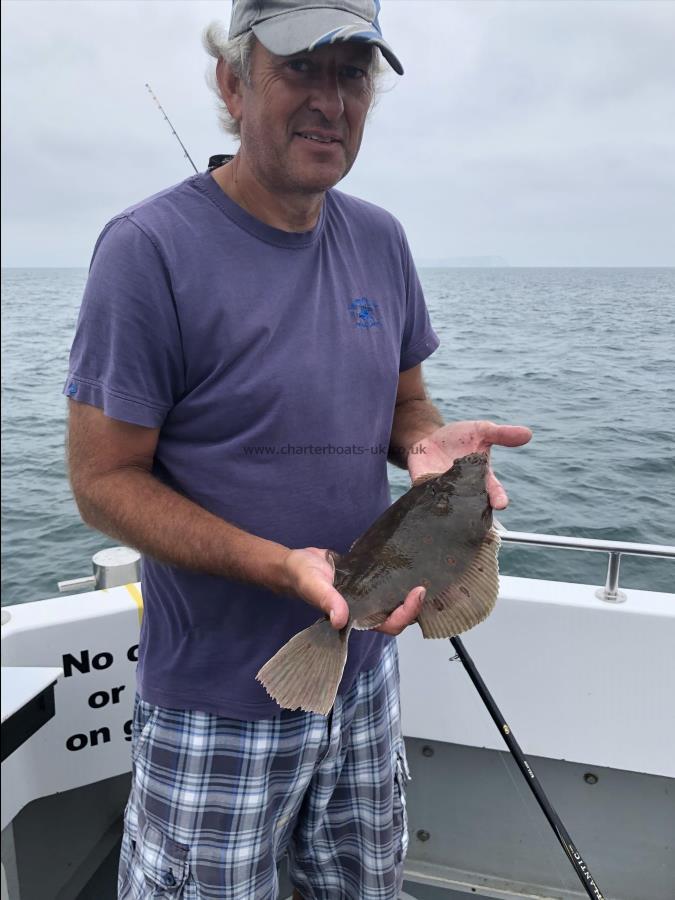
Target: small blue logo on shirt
x,y
72,389
364,313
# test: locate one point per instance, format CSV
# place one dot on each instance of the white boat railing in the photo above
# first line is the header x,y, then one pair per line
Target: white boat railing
x,y
616,549
121,565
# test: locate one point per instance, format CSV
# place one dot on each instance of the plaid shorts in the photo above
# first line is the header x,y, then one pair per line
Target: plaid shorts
x,y
216,803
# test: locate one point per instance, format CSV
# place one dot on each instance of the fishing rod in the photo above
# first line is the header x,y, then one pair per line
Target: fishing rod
x,y
580,867
173,130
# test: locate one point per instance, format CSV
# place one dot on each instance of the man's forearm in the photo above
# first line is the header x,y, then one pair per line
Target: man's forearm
x,y
414,419
131,505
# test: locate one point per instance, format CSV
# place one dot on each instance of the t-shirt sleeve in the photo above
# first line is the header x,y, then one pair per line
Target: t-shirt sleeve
x,y
127,356
419,338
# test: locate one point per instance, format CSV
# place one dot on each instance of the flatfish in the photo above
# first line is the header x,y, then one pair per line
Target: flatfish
x,y
439,534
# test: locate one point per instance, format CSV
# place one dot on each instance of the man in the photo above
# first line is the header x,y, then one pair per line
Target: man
x,y
248,343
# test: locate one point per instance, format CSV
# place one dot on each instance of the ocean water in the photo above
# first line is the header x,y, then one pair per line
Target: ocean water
x,y
585,357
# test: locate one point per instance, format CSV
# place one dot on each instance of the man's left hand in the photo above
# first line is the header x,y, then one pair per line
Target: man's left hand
x,y
437,452
405,614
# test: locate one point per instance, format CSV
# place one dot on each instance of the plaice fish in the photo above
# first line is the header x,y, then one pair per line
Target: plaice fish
x,y
440,535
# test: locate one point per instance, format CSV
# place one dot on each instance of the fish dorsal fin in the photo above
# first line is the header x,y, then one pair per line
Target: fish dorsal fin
x,y
371,621
471,599
333,557
421,479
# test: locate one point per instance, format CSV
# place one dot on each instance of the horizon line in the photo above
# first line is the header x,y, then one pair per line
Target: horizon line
x,y
423,266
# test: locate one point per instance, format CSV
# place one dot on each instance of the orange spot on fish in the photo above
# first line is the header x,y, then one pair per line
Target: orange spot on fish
x,y
450,560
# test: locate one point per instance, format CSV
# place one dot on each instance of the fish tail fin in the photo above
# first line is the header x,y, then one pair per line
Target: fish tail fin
x,y
306,671
467,602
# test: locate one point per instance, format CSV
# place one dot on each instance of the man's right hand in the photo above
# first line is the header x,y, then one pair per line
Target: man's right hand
x,y
310,574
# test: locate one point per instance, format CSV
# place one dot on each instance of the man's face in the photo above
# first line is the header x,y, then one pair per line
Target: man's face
x,y
302,116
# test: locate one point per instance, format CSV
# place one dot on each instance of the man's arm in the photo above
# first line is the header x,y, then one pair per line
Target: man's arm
x,y
415,416
423,444
110,465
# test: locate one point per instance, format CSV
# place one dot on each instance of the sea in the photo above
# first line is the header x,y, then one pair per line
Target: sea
x,y
584,357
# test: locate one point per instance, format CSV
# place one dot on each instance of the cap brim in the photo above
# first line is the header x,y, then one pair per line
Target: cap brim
x,y
307,29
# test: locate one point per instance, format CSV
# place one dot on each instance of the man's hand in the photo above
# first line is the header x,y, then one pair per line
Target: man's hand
x,y
437,452
404,615
310,574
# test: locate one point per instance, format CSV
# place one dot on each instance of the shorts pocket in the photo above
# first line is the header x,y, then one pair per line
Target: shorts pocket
x,y
145,716
401,777
164,861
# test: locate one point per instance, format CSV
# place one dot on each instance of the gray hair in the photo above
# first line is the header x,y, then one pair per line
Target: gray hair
x,y
238,54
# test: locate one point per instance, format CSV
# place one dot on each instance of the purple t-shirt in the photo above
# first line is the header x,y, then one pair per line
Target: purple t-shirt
x,y
270,361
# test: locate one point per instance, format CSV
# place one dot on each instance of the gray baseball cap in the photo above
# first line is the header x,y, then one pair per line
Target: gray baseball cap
x,y
285,27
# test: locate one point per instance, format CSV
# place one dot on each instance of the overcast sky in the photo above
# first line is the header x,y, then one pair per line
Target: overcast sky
x,y
542,132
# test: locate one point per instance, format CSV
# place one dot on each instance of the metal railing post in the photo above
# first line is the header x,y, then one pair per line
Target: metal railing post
x,y
611,593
